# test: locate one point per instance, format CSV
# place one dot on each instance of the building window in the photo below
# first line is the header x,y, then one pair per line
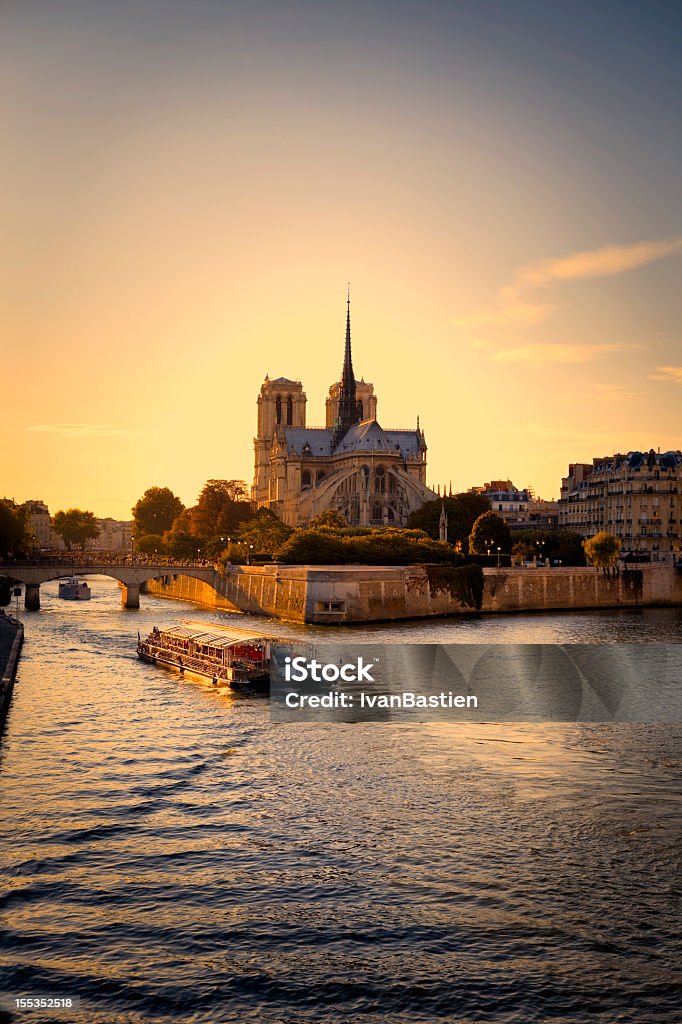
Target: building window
x,y
290,411
278,409
306,479
360,410
376,511
320,475
379,480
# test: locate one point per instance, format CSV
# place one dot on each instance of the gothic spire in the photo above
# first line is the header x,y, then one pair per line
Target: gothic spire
x,y
348,377
348,405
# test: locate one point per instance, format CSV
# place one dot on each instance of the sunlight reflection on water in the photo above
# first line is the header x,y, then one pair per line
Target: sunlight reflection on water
x,y
170,855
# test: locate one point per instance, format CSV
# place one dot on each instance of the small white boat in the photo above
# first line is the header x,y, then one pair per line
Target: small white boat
x,y
73,589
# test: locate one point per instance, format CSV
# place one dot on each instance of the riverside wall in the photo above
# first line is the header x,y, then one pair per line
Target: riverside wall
x,y
11,640
348,594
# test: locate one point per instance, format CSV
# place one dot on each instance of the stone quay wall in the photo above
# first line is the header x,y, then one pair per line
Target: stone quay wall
x,y
11,640
347,594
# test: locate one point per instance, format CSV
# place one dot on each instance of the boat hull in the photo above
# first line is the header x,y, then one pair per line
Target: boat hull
x,y
73,594
256,683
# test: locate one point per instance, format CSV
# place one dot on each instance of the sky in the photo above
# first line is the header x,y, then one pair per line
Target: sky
x,y
186,189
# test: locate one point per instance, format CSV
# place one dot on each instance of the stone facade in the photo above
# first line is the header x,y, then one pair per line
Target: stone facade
x,y
637,497
372,476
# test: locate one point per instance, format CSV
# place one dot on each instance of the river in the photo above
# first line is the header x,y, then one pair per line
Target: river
x,y
170,855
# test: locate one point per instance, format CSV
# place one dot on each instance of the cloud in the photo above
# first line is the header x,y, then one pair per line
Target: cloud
x,y
516,305
541,354
81,429
671,374
615,393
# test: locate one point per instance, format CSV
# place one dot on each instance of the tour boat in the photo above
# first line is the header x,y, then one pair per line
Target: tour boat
x,y
239,658
74,589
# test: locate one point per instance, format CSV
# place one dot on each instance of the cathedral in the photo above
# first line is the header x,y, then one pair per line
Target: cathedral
x,y
372,476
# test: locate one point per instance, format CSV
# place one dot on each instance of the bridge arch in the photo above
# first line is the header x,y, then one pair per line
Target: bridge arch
x,y
130,576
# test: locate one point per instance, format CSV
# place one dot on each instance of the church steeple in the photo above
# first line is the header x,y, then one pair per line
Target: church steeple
x,y
348,405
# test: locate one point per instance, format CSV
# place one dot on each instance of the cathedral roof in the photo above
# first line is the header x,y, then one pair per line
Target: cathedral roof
x,y
284,380
407,440
319,439
368,436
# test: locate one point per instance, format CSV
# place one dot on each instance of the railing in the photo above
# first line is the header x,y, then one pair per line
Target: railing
x,y
182,660
83,561
203,665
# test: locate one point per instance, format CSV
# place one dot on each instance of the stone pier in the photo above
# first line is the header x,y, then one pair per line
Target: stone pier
x,y
130,595
32,597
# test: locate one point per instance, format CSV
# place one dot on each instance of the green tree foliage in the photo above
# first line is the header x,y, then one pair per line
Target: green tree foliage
x,y
221,508
523,549
155,512
180,541
151,544
330,519
378,547
563,546
75,526
464,583
234,554
462,510
602,550
265,531
489,532
15,537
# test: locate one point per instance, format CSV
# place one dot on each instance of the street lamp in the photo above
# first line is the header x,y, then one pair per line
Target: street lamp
x,y
488,545
248,556
498,555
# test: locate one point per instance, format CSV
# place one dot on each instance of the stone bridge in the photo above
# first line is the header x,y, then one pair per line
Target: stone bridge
x,y
130,575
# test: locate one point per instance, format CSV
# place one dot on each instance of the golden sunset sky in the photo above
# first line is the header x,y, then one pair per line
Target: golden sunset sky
x,y
187,188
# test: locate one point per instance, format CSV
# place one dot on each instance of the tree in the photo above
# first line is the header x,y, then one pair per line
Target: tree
x,y
221,508
375,547
602,550
565,546
265,532
462,511
523,549
181,541
156,511
330,519
151,544
488,533
75,526
180,544
14,532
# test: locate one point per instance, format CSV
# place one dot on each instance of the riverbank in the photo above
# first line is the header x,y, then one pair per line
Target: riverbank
x,y
11,640
356,594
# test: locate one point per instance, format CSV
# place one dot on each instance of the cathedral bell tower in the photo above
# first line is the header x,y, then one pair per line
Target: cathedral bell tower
x,y
281,404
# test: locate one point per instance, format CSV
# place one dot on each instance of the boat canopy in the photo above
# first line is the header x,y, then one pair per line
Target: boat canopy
x,y
216,636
